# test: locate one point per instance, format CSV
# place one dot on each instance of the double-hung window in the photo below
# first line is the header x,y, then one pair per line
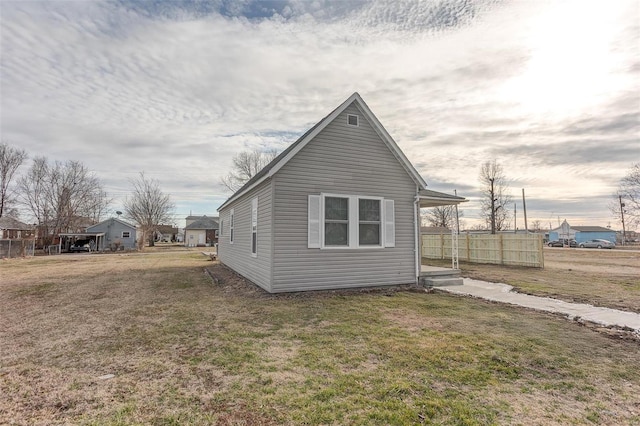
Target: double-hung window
x,y
369,222
231,227
254,227
350,221
336,221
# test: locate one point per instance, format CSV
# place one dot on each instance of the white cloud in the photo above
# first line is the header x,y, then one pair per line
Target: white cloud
x,y
177,91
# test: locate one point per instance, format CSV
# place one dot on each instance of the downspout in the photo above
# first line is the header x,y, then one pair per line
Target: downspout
x,y
416,209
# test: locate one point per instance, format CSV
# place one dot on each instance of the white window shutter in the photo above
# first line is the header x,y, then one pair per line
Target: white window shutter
x,y
389,224
313,223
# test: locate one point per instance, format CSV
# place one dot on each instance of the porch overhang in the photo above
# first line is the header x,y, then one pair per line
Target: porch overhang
x,y
428,198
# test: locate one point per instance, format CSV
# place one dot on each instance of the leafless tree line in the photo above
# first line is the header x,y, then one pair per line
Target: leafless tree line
x,y
66,196
61,196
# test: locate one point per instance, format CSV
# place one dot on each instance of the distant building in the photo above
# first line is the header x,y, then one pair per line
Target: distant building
x,y
582,233
201,231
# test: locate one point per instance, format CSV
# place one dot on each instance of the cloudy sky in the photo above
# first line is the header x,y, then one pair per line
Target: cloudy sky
x,y
550,89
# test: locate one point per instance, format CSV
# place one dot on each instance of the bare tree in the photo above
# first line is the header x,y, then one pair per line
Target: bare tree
x,y
10,159
444,216
536,226
495,196
148,206
245,166
62,197
627,200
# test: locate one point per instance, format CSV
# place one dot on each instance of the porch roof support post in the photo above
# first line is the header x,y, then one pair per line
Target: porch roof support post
x,y
416,225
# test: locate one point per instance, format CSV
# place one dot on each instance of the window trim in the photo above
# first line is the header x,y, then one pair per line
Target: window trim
x,y
231,226
123,232
353,226
380,201
323,221
357,120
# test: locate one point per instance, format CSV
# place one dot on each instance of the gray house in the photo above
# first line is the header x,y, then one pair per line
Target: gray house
x,y
117,233
339,208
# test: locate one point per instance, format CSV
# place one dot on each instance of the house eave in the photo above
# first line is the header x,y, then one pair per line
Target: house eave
x,y
300,144
431,201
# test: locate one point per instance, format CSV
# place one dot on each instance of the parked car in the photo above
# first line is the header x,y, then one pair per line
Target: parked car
x,y
597,244
559,243
80,245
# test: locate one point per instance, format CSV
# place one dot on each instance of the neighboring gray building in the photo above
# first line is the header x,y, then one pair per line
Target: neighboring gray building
x,y
338,208
117,233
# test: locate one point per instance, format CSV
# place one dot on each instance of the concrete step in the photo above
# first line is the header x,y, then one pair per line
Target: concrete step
x,y
440,281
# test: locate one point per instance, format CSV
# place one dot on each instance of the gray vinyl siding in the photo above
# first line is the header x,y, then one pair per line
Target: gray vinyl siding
x,y
347,160
113,233
238,256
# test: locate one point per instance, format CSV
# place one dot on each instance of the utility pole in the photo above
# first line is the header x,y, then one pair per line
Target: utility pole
x,y
624,232
524,207
493,208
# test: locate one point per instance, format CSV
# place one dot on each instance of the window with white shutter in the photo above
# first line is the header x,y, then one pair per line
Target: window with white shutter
x,y
313,221
350,222
389,224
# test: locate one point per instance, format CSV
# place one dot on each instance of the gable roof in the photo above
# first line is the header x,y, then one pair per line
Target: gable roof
x,y
582,228
115,220
166,229
204,223
7,222
282,159
591,229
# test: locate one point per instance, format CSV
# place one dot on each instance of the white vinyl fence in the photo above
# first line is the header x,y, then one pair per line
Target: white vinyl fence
x,y
500,249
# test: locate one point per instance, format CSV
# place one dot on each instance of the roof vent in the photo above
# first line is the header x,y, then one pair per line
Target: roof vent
x,y
352,120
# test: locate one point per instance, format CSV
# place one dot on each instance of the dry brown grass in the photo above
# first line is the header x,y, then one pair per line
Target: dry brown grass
x,y
609,278
183,350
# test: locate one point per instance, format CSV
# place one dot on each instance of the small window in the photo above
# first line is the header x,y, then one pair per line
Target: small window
x,y
352,120
231,227
336,221
254,227
126,234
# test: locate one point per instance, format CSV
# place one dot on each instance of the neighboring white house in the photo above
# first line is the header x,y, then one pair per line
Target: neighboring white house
x,y
201,231
338,208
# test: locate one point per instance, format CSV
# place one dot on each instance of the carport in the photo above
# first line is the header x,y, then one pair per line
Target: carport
x,y
70,237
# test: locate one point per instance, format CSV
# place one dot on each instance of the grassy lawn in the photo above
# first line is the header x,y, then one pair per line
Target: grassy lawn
x,y
609,278
183,350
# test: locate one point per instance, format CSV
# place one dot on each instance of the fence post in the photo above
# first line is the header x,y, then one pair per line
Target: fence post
x,y
468,248
540,252
501,248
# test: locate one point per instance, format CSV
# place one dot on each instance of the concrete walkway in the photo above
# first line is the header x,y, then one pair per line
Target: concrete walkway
x,y
502,293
